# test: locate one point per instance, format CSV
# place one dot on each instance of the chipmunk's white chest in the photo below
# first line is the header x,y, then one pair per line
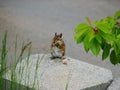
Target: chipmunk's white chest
x,y
56,52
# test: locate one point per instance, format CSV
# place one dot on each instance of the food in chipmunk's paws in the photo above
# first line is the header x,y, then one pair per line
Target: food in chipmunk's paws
x,y
57,47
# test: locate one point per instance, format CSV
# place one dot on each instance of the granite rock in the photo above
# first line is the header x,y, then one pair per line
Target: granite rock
x,y
46,74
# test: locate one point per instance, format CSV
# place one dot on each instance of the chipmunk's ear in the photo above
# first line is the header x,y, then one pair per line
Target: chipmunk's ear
x,y
60,34
55,34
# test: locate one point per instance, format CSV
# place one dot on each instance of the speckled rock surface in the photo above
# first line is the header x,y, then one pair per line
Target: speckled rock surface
x,y
47,74
115,84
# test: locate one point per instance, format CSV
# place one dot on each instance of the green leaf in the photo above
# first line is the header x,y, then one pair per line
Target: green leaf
x,y
80,36
110,21
80,32
118,36
95,47
117,44
79,39
91,34
106,51
116,30
108,37
103,27
99,38
117,15
81,27
86,44
113,58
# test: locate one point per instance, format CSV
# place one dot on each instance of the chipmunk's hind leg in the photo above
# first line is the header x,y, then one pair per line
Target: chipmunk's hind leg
x,y
52,56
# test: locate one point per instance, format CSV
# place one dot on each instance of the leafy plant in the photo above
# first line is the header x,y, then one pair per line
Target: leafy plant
x,y
101,35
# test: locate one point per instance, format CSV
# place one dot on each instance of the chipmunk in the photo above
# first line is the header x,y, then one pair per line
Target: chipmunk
x,y
57,47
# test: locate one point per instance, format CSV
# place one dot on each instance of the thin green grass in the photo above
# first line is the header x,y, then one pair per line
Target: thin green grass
x,y
13,74
3,66
14,78
36,81
68,80
27,64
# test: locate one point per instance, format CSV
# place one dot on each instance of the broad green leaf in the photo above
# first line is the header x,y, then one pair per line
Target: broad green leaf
x,y
118,36
117,15
102,45
79,39
81,27
117,46
99,38
81,31
106,51
110,21
103,27
116,30
86,44
108,37
91,34
95,47
79,36
113,58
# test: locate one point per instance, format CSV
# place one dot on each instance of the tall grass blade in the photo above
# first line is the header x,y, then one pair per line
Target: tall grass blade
x,y
3,66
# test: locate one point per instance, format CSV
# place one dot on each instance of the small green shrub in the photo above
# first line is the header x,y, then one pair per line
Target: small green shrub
x,y
103,34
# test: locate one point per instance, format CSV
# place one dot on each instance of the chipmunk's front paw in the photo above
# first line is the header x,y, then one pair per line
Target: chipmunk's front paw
x,y
65,61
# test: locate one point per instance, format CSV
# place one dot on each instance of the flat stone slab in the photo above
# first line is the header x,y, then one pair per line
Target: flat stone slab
x,y
42,73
